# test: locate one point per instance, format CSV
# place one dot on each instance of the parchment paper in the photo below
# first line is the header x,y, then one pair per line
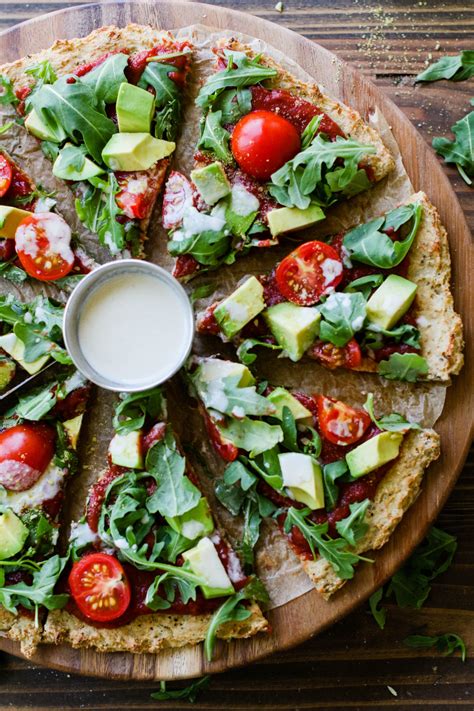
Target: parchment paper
x,y
276,564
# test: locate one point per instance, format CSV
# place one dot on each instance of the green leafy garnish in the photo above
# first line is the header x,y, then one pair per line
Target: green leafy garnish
x,y
12,273
353,527
209,247
456,68
460,151
190,692
106,78
343,315
6,127
253,436
393,422
98,210
134,408
233,104
38,402
332,472
215,137
379,613
167,97
39,592
244,353
365,284
7,93
202,291
403,366
226,396
404,333
445,643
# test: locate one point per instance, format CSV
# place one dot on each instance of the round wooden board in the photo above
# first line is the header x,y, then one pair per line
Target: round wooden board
x,y
306,616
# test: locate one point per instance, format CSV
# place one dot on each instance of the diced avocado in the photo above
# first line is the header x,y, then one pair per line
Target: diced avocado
x,y
10,218
65,170
7,371
374,453
204,561
283,398
246,302
135,108
303,476
211,182
135,151
73,427
13,534
390,301
215,369
288,219
195,523
35,125
126,450
294,327
16,349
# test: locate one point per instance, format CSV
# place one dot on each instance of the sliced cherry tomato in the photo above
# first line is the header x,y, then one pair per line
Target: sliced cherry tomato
x,y
25,452
349,356
100,587
154,435
178,196
262,142
224,449
7,249
309,272
5,175
43,245
137,194
339,423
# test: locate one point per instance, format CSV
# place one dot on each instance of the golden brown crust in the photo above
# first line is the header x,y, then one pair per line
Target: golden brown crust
x,y
22,629
147,633
395,494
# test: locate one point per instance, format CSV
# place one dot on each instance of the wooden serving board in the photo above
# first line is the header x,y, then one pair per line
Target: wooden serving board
x,y
306,616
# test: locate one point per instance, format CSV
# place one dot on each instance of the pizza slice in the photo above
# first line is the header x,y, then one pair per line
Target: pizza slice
x,y
35,241
336,478
150,567
109,125
273,154
38,438
375,299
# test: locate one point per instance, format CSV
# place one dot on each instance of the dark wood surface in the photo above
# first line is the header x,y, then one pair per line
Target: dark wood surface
x,y
352,665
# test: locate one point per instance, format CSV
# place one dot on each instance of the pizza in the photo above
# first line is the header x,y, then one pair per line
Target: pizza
x,y
109,125
376,298
273,154
335,478
35,240
151,569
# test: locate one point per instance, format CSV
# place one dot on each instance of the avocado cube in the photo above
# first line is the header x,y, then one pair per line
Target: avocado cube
x,y
135,151
303,476
390,301
214,369
374,453
126,450
73,428
35,125
204,562
10,218
195,523
294,327
13,534
66,171
289,219
12,345
7,371
246,302
135,109
211,182
283,398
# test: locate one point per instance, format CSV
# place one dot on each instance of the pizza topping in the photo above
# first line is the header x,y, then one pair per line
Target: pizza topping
x,y
340,423
43,245
137,193
309,273
348,356
100,587
25,452
178,197
5,175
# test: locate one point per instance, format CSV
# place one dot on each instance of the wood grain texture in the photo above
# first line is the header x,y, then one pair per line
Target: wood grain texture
x,y
324,671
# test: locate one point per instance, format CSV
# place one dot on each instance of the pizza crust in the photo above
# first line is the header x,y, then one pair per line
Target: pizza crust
x,y
22,629
395,494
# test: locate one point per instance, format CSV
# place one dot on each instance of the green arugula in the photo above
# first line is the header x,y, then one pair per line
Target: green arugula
x,y
343,315
379,613
403,366
6,127
39,592
254,436
65,455
44,73
405,333
98,210
190,692
7,94
215,137
38,402
208,248
460,151
332,472
202,291
12,273
391,423
445,643
131,413
226,396
42,535
167,98
106,78
353,527
365,284
233,104
244,353
456,68
368,243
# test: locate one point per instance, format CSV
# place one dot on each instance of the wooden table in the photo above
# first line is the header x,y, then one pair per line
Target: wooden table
x,y
352,665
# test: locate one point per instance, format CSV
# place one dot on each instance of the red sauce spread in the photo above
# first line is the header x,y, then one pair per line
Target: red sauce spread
x,y
185,266
84,69
137,62
52,507
97,495
73,404
226,450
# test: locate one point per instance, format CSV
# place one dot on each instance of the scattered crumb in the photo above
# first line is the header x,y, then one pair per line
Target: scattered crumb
x,y
392,690
437,46
279,7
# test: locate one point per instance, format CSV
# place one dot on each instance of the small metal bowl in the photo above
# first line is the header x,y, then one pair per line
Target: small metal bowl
x,y
98,278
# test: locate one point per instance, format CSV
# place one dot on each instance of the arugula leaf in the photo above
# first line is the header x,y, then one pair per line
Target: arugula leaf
x,y
391,423
404,333
253,436
215,137
353,527
39,592
171,584
44,73
98,210
233,103
365,284
131,413
36,403
207,247
65,455
343,315
331,472
167,98
42,535
226,396
403,366
369,244
244,350
106,78
190,692
379,613
6,127
312,445
13,273
460,151
290,433
7,94
233,611
267,465
73,107
457,68
446,643
200,292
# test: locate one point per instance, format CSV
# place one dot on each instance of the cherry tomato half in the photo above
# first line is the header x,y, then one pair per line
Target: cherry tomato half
x,y
339,423
262,142
43,245
137,194
5,175
100,587
309,272
348,356
25,452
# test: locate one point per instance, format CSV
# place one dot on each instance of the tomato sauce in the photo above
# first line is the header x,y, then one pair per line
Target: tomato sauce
x,y
185,266
138,61
73,404
20,188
